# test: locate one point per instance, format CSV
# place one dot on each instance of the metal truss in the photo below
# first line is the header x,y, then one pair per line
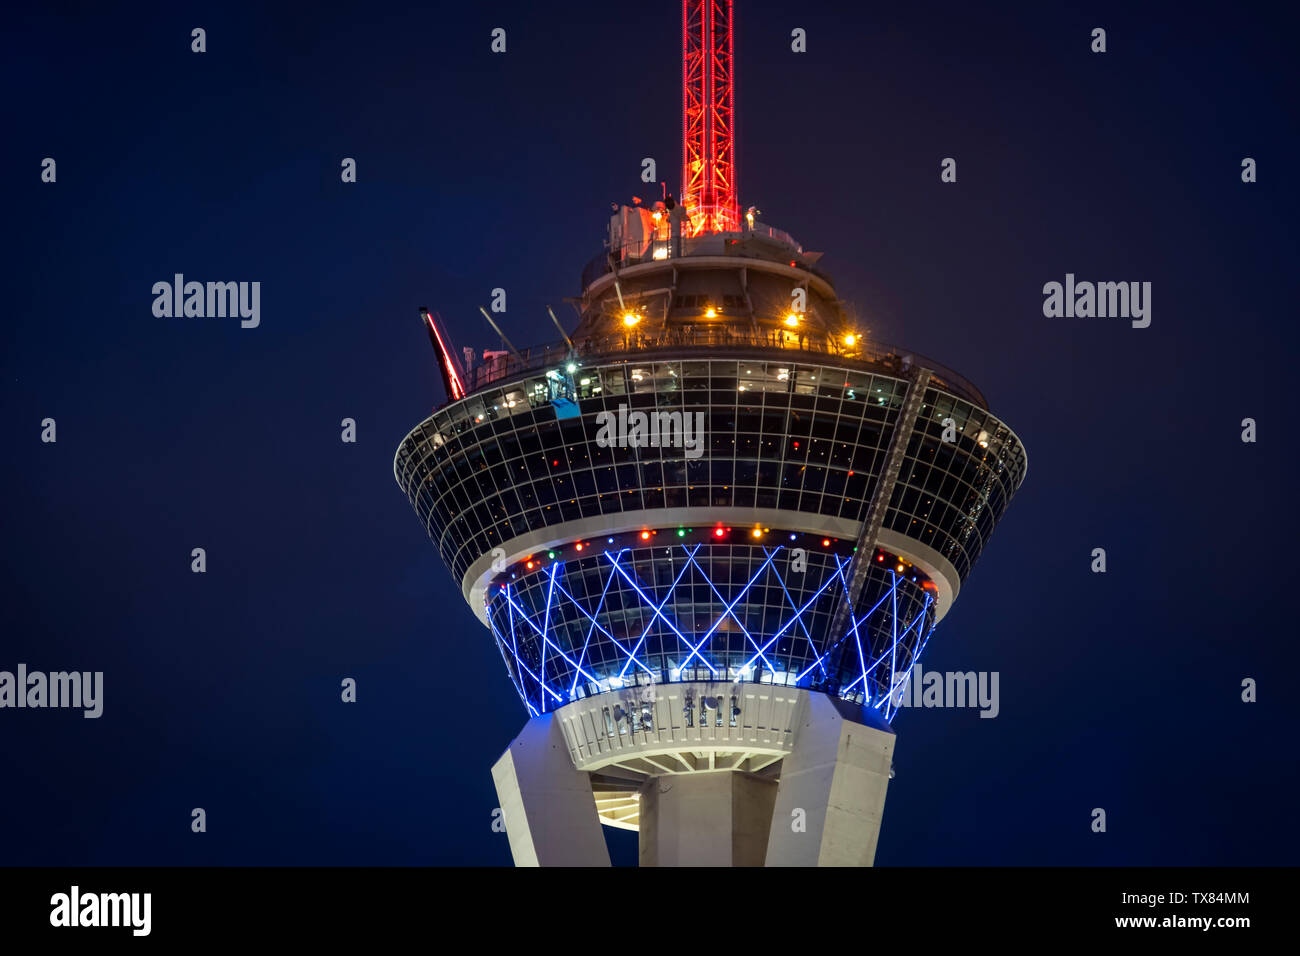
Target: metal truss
x,y
708,117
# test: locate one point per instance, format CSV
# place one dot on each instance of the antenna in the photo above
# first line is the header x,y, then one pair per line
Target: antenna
x,y
708,117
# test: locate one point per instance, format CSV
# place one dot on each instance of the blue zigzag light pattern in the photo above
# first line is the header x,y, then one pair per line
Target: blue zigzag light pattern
x,y
638,616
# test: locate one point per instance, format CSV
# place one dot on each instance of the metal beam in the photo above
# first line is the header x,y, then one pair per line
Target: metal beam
x,y
866,545
563,334
496,328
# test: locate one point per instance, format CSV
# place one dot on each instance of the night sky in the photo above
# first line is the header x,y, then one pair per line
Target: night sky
x,y
475,171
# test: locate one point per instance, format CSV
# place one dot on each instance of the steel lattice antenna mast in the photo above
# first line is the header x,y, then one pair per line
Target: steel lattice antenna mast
x,y
708,116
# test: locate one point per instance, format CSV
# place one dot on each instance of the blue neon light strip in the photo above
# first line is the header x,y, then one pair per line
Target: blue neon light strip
x,y
506,601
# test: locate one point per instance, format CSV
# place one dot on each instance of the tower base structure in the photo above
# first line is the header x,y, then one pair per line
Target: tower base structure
x,y
710,774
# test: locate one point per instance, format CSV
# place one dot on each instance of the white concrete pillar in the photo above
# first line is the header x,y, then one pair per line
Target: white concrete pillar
x,y
547,804
836,776
705,819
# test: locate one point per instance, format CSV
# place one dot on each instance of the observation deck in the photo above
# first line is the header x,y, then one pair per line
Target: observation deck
x,y
606,563
778,344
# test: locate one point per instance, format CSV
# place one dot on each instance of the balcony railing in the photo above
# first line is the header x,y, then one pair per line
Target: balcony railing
x,y
662,246
682,344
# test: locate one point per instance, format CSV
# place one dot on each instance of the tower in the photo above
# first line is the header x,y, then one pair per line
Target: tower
x,y
710,531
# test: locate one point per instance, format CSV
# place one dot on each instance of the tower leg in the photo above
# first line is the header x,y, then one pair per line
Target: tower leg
x,y
705,819
547,804
832,792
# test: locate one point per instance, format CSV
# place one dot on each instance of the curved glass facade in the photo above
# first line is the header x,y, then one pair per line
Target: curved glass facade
x,y
807,438
611,617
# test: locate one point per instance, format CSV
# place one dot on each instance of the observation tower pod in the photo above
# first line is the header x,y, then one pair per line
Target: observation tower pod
x,y
710,531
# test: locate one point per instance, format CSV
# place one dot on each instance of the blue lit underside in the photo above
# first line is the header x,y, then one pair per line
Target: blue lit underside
x,y
594,624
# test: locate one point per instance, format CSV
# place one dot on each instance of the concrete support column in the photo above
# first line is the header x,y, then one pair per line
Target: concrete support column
x,y
547,804
836,775
706,819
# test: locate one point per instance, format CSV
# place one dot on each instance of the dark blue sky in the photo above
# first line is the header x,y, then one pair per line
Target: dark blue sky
x,y
475,171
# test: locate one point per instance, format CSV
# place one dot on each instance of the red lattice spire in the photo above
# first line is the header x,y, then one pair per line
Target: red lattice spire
x,y
708,117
